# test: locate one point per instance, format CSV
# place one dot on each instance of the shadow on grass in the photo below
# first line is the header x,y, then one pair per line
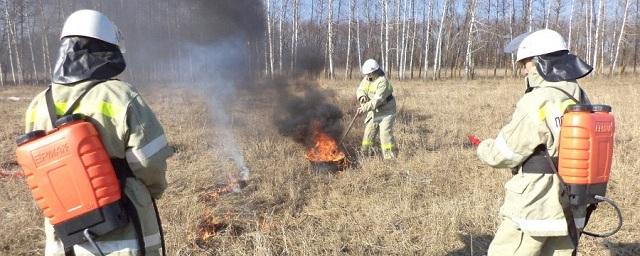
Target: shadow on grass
x,y
474,244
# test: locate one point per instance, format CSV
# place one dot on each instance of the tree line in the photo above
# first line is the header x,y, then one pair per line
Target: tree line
x,y
412,39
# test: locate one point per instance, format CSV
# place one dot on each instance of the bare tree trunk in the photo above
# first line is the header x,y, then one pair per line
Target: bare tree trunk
x,y
294,35
358,39
413,38
595,50
436,57
530,15
351,14
383,22
283,10
386,35
468,66
570,24
330,39
34,79
8,29
269,37
512,17
547,12
624,21
426,41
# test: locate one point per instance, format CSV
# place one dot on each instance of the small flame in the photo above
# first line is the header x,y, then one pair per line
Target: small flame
x,y
325,148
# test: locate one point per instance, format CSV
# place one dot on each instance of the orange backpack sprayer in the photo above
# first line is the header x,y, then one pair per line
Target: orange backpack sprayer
x,y
72,178
585,156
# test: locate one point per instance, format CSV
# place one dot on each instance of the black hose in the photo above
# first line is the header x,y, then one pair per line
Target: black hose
x,y
618,214
89,237
155,208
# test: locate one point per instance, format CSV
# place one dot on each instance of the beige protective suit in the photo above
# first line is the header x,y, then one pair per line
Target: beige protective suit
x,y
381,114
533,220
129,130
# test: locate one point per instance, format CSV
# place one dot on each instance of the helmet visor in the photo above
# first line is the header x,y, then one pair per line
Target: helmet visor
x,y
513,45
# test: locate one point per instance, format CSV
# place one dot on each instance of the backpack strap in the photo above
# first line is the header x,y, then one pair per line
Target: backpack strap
x,y
582,99
52,109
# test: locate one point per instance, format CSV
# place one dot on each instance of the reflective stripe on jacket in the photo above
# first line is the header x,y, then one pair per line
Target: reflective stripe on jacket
x,y
533,200
377,91
129,130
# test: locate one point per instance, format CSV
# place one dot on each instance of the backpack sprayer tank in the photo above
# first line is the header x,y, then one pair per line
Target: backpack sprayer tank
x,y
72,179
586,149
585,155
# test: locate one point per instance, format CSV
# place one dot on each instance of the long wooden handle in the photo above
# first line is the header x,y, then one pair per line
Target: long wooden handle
x,y
348,129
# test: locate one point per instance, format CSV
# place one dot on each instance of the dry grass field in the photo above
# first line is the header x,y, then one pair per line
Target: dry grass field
x,y
436,199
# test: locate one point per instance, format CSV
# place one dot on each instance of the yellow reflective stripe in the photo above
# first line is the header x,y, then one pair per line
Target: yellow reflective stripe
x,y
104,108
61,107
388,146
542,114
367,142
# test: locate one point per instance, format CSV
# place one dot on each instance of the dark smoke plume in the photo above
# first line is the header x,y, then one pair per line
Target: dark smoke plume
x,y
303,103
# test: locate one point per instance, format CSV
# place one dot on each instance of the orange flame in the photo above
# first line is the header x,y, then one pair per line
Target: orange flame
x,y
325,148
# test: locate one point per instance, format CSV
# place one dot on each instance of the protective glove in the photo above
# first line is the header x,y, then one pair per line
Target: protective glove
x,y
363,99
474,140
360,110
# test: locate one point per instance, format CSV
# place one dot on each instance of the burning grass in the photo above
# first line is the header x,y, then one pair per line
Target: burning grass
x,y
437,199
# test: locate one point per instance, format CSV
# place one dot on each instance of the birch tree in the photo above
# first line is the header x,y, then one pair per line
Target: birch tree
x,y
330,39
620,36
426,41
438,53
468,66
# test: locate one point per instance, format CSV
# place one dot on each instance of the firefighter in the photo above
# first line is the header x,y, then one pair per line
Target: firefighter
x,y
91,52
375,95
536,216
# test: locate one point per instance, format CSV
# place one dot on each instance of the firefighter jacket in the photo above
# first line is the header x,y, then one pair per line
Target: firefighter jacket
x,y
380,94
129,130
534,201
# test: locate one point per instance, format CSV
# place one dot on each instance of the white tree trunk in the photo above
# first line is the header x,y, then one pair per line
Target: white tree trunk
x,y
596,44
358,40
34,79
413,37
426,40
269,37
570,24
386,35
624,21
530,15
512,18
283,10
351,13
9,35
330,39
468,66
436,57
294,35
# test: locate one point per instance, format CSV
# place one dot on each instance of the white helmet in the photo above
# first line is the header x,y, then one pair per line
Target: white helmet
x,y
369,66
94,24
536,43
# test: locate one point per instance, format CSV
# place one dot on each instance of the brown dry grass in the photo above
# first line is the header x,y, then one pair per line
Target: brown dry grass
x,y
436,199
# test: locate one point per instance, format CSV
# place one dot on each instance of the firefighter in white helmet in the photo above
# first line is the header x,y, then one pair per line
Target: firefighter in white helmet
x,y
536,217
375,95
90,57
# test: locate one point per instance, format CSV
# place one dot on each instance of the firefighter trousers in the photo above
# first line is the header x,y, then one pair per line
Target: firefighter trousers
x,y
384,126
510,240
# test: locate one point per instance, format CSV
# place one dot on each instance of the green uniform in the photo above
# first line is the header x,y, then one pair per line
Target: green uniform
x,y
533,220
129,130
381,114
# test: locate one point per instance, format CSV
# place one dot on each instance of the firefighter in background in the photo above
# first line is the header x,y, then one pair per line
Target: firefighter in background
x,y
91,50
536,218
375,95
